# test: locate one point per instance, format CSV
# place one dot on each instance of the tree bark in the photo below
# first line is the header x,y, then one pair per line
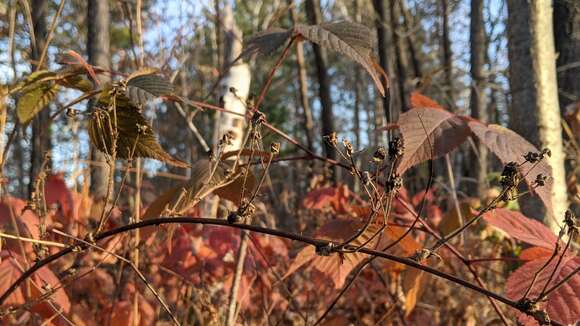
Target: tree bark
x,y
321,62
477,42
547,105
447,54
303,85
531,45
99,54
384,45
40,125
567,35
402,61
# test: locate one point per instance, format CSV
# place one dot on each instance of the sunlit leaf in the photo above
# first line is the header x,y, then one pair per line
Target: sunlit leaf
x,y
146,85
351,39
135,135
34,100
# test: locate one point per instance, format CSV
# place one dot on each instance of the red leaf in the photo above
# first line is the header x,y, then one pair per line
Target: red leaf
x,y
56,193
11,269
522,228
511,147
563,304
535,253
419,100
337,267
335,198
429,133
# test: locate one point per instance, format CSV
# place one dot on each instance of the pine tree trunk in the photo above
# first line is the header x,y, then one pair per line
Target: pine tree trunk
x,y
477,42
99,54
40,125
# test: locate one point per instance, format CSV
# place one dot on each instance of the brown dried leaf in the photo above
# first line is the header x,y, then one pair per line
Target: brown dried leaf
x,y
443,132
351,39
266,42
511,147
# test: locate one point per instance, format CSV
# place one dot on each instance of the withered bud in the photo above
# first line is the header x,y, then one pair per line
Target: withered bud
x,y
541,180
571,220
258,118
348,147
366,177
396,148
532,157
394,183
326,249
275,148
510,179
72,113
380,155
331,139
227,138
141,129
546,152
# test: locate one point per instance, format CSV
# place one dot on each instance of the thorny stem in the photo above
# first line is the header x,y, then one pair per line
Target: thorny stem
x,y
278,233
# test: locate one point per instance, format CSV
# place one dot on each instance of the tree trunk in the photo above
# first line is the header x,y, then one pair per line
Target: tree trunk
x,y
303,84
447,55
40,125
99,54
532,46
321,62
235,87
547,105
402,61
567,34
384,45
477,42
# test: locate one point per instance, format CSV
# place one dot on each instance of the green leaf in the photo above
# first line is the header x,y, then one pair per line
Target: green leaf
x,y
34,100
146,85
134,132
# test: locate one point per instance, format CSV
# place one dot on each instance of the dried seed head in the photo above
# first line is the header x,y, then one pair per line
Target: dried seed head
x,y
510,179
258,118
227,138
540,180
348,147
532,157
72,113
571,221
546,152
396,148
394,183
331,139
233,218
141,129
380,155
275,148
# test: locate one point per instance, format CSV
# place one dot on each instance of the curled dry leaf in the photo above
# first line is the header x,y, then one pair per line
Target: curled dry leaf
x,y
354,40
134,132
351,39
563,304
429,133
